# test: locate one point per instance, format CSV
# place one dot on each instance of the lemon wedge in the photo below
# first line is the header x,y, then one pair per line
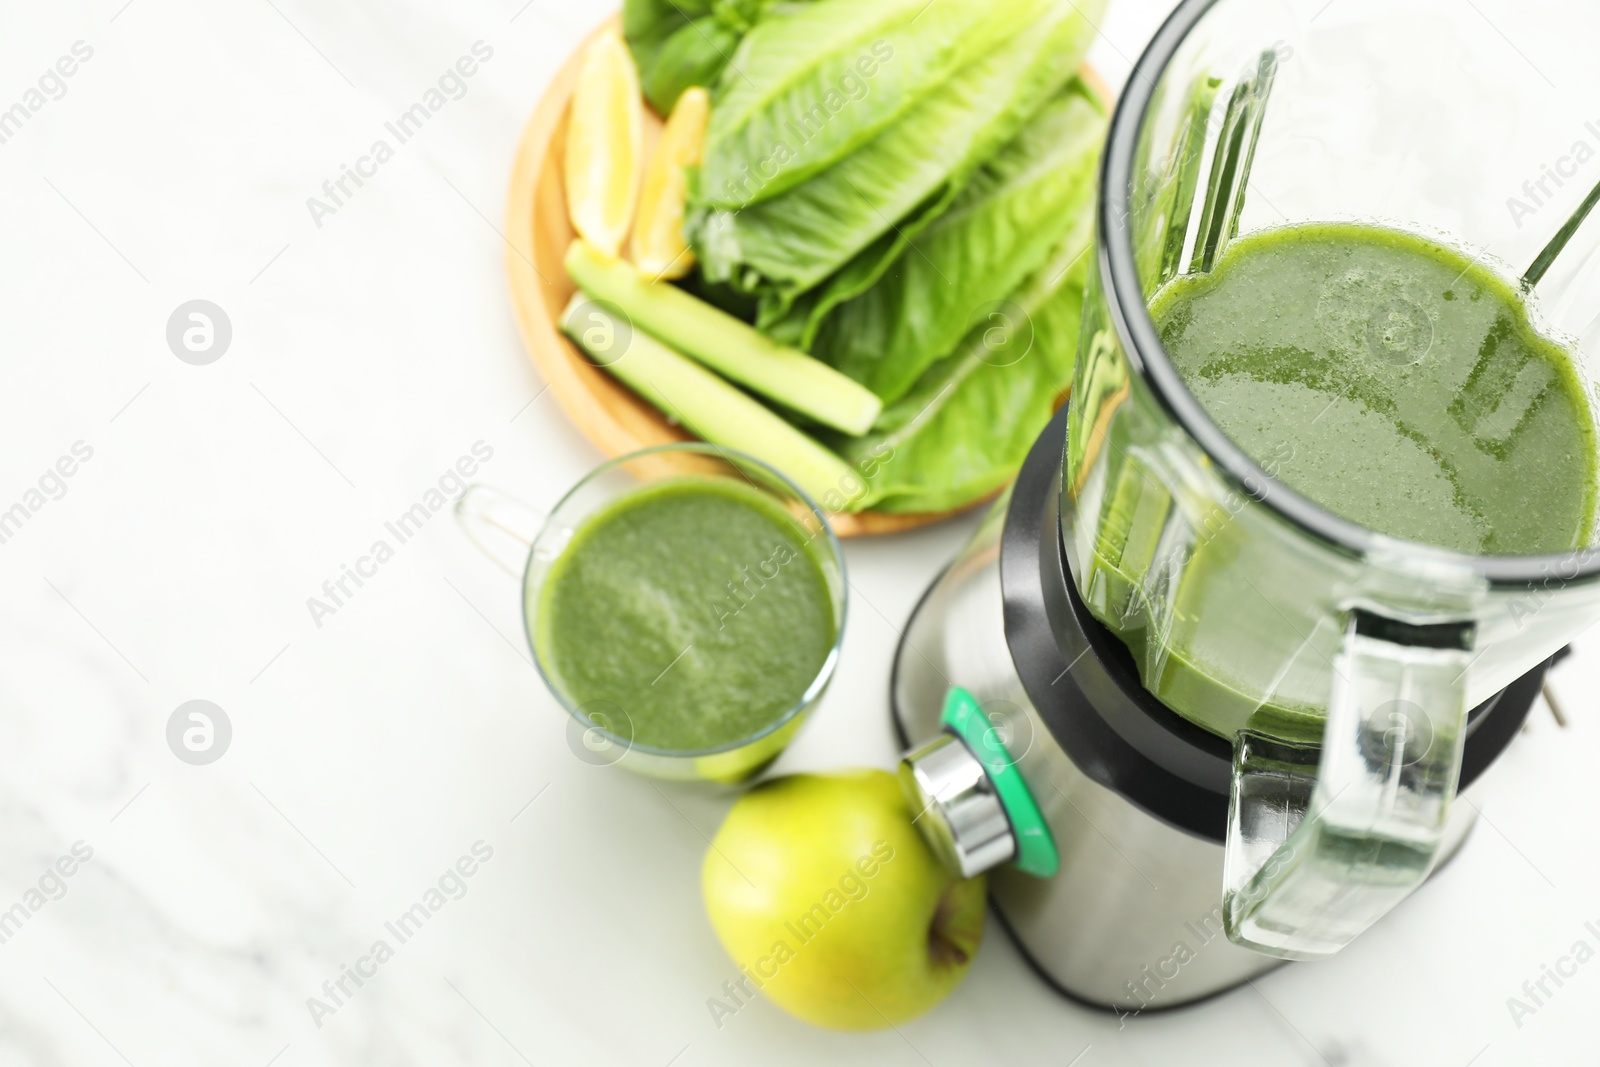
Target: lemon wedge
x,y
659,250
604,131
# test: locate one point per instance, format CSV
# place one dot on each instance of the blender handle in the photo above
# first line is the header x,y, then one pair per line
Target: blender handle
x,y
1324,839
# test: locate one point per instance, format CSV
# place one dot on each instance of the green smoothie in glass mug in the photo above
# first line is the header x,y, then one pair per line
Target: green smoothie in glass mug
x,y
683,603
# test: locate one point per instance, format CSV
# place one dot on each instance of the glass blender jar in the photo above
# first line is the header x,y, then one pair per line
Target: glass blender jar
x,y
1344,684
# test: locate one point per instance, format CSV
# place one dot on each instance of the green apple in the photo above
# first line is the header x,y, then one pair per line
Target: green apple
x,y
824,893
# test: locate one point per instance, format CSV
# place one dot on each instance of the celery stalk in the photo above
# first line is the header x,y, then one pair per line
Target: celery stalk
x,y
730,347
688,393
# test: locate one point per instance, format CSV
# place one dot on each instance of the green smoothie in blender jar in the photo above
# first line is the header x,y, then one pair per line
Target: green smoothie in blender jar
x,y
1400,382
1392,380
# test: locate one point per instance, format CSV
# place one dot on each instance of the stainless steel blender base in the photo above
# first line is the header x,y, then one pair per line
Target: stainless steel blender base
x,y
1133,920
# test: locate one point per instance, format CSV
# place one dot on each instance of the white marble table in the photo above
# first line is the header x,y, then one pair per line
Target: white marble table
x,y
375,746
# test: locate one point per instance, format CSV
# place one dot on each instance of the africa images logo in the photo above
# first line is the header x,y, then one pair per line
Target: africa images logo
x,y
852,886
339,590
1538,992
50,886
451,85
51,85
451,885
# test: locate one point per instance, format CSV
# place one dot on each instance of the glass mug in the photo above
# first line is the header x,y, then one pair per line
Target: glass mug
x,y
602,732
1339,662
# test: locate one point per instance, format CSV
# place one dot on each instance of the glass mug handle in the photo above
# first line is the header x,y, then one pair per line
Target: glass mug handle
x,y
1324,839
502,526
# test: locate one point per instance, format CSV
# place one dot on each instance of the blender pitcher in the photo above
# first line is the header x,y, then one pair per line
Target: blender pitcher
x,y
1339,663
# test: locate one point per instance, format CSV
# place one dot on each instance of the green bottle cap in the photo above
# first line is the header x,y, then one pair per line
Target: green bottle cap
x,y
1036,846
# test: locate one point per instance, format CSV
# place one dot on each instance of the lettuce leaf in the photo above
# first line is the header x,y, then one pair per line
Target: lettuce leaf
x,y
862,212
679,43
995,234
806,90
963,430
695,55
648,25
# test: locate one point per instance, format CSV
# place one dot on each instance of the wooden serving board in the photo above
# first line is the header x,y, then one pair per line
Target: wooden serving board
x,y
538,232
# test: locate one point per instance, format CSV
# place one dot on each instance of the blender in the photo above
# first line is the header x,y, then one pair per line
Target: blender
x,y
1193,722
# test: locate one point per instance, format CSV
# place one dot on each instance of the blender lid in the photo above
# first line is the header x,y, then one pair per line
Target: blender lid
x,y
1085,685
